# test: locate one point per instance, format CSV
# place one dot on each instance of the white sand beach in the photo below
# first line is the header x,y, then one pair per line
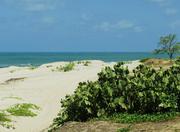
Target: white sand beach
x,y
43,87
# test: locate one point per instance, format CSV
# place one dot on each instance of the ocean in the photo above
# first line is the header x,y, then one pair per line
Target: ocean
x,y
25,59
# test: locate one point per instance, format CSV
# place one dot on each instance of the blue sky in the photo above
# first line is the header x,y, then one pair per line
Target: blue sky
x,y
86,25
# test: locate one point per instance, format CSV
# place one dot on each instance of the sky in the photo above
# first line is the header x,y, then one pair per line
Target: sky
x,y
86,25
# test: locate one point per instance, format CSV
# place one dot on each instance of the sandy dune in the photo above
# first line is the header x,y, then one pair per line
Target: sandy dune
x,y
44,88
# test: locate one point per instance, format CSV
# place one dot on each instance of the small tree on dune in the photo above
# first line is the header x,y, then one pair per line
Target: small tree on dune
x,y
168,44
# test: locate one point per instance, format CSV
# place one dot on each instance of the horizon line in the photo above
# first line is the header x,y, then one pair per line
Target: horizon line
x,y
76,51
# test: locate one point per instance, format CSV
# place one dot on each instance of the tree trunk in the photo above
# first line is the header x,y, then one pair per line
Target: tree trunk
x,y
171,56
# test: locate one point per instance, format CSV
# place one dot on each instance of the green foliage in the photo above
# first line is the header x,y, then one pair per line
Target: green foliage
x,y
32,67
68,67
168,44
137,118
177,61
79,62
126,129
85,63
5,120
145,91
24,109
4,117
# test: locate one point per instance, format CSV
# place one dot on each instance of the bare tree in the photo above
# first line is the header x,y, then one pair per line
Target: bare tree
x,y
168,44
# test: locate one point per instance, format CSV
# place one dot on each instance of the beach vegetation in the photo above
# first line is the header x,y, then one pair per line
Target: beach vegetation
x,y
11,80
4,117
127,118
79,62
85,63
177,60
12,71
5,120
66,68
12,97
168,45
157,63
32,67
117,91
125,129
144,60
48,66
24,109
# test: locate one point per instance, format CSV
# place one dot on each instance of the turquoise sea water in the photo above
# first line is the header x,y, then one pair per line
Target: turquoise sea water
x,y
23,59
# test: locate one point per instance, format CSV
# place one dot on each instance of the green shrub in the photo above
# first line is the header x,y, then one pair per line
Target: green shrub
x,y
4,117
86,63
177,60
5,120
136,118
23,110
144,91
79,62
68,67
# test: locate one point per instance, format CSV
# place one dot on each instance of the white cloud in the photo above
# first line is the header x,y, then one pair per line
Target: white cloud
x,y
49,20
123,24
161,2
138,29
120,25
38,7
33,5
175,24
166,6
171,11
29,7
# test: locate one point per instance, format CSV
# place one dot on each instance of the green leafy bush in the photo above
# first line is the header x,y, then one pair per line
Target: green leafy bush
x,y
144,91
177,61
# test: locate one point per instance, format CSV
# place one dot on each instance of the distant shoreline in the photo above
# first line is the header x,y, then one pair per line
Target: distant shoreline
x,y
38,58
30,65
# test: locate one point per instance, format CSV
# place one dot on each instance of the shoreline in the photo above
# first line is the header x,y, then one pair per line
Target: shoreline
x,y
38,65
36,59
45,88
